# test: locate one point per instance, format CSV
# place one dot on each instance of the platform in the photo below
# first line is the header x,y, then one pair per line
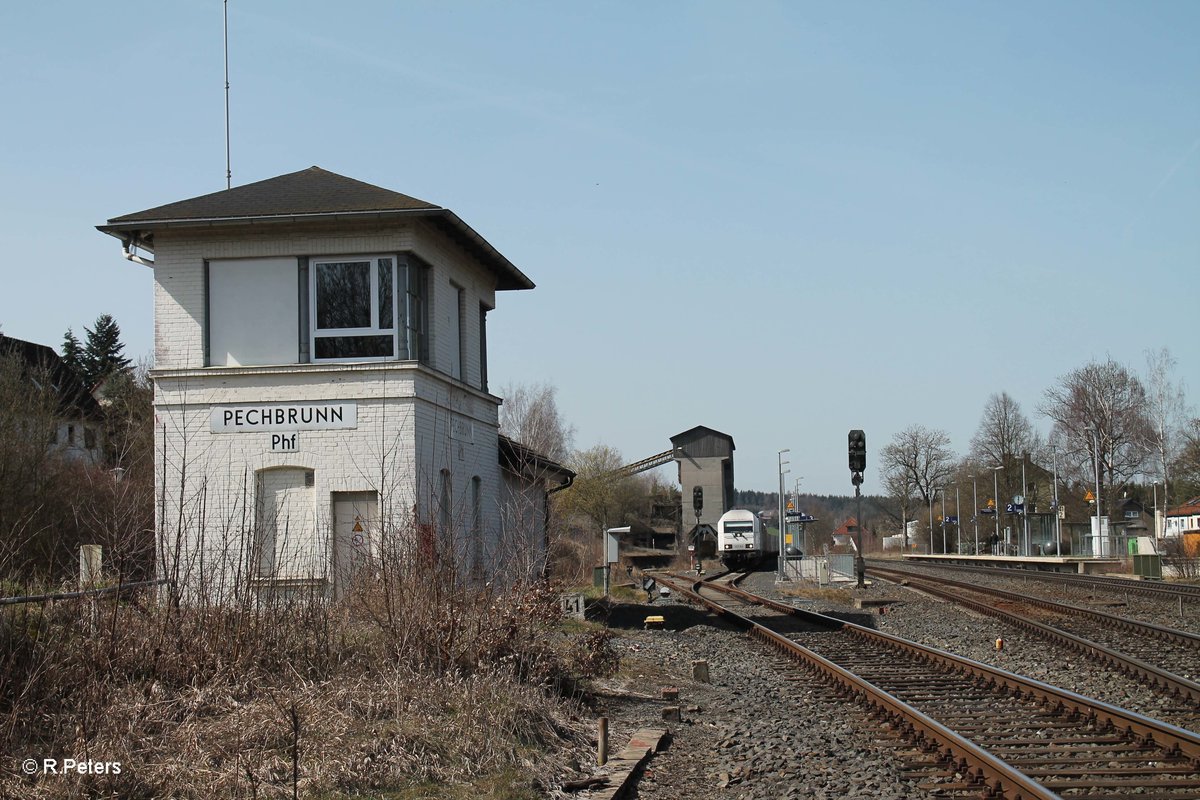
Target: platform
x,y
1081,565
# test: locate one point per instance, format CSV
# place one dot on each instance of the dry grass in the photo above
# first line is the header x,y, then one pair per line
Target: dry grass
x,y
303,700
840,596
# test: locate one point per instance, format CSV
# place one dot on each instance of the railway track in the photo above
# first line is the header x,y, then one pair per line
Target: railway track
x,y
1165,659
969,730
1175,592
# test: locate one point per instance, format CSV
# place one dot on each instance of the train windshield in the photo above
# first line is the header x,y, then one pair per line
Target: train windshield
x,y
739,528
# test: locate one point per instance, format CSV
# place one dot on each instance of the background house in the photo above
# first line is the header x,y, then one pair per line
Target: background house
x,y
77,430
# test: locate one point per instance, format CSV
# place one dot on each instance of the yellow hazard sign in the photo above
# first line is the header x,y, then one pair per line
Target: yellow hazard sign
x,y
358,528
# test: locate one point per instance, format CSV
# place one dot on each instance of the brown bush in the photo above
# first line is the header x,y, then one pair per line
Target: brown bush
x,y
441,683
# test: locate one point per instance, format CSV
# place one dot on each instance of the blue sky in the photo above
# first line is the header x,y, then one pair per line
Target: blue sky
x,y
779,220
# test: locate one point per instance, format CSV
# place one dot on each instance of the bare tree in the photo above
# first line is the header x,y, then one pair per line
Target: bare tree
x,y
917,460
530,416
1186,468
1166,411
899,486
1004,434
598,492
1100,412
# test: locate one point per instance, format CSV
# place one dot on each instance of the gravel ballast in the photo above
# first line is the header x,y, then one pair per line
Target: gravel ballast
x,y
763,729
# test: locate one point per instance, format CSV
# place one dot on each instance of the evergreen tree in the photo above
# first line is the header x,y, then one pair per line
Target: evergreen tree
x,y
72,354
102,356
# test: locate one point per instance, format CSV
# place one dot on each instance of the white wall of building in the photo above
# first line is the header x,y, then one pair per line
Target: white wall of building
x,y
415,424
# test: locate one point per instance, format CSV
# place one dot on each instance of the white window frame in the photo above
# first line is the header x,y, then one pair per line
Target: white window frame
x,y
315,333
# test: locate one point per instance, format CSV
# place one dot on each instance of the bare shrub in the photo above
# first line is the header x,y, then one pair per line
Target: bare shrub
x,y
201,702
1182,557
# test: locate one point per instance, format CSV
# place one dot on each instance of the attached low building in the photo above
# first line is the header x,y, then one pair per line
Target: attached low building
x,y
321,387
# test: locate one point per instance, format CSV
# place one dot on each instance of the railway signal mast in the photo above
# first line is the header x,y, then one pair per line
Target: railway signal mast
x,y
858,464
698,506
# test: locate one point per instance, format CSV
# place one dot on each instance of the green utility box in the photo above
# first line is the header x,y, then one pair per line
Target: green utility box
x,y
1148,566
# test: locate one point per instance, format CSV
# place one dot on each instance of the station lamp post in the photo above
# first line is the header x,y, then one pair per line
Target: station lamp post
x,y
932,495
780,560
996,497
1057,511
975,510
1025,507
1157,533
1096,461
943,491
957,522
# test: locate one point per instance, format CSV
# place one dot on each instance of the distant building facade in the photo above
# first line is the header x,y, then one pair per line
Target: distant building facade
x,y
1184,519
78,423
321,386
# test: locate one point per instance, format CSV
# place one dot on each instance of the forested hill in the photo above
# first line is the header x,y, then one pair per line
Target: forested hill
x,y
878,510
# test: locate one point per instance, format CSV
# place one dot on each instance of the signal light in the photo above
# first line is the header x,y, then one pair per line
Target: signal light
x,y
858,451
698,498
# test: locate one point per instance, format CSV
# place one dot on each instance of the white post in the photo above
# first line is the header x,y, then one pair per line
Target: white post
x,y
90,565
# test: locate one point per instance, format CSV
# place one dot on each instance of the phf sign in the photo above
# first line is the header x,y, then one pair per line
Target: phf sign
x,y
289,417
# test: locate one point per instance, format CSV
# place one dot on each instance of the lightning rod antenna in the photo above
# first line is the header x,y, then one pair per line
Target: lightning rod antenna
x,y
228,168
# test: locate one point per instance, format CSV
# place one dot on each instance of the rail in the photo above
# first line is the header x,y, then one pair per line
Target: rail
x,y
1150,743
1157,677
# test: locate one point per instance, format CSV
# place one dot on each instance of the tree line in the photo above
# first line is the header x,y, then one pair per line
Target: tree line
x,y
1131,435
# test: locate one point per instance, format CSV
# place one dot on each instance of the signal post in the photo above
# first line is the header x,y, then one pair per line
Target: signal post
x,y
858,464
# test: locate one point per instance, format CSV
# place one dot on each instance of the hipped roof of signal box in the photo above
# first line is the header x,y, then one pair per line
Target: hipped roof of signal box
x,y
310,195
